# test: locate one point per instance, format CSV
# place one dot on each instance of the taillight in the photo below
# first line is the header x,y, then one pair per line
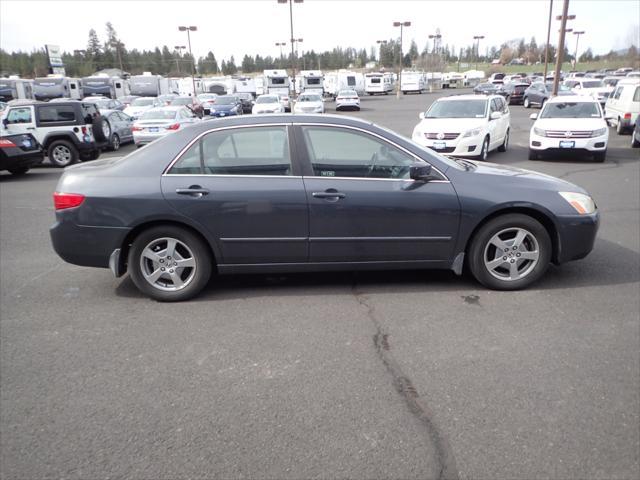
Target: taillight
x,y
175,126
84,130
136,129
67,200
627,116
4,143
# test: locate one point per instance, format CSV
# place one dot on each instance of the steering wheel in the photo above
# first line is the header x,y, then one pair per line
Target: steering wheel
x,y
374,161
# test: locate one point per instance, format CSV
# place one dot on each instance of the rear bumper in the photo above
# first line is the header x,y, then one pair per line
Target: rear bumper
x,y
577,235
21,160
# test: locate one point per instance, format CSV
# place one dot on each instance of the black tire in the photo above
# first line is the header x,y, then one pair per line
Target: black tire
x,y
505,144
526,103
115,142
480,247
18,171
98,132
599,157
634,143
533,155
88,156
62,153
201,273
542,103
619,128
484,152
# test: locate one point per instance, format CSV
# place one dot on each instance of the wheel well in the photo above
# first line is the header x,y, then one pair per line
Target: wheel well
x,y
546,222
131,236
49,140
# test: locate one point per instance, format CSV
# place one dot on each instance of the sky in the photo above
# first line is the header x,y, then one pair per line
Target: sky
x,y
236,27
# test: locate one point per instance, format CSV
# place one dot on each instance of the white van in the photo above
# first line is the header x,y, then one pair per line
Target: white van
x,y
623,105
413,82
377,82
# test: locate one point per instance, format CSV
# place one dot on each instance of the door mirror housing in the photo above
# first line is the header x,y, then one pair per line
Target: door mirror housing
x,y
495,116
420,172
5,122
421,115
533,116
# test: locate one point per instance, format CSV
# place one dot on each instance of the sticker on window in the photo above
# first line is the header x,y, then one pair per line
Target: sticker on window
x,y
327,173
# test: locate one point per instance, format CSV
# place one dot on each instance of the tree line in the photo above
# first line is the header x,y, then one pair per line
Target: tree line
x,y
113,53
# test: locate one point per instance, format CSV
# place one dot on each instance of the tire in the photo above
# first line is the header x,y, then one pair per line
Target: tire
x,y
533,155
619,128
634,143
487,263
18,171
600,157
505,144
526,102
542,103
98,132
484,153
115,142
164,288
62,153
88,156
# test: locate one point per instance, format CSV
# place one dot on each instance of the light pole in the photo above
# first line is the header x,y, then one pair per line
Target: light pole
x,y
293,64
401,25
297,41
436,38
380,42
477,38
563,26
193,70
179,48
280,44
546,47
575,56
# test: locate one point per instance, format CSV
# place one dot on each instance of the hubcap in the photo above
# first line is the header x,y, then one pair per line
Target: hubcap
x,y
116,142
106,128
168,264
511,254
485,150
61,154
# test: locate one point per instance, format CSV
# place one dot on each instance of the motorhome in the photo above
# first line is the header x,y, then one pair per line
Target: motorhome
x,y
245,85
259,81
413,82
14,88
343,80
187,84
310,81
105,86
56,86
148,85
218,85
276,81
452,80
377,82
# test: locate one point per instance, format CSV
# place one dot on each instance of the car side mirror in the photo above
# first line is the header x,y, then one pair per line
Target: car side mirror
x,y
533,116
5,122
421,115
420,172
495,115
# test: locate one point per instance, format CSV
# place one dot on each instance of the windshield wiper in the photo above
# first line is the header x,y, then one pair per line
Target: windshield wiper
x,y
466,163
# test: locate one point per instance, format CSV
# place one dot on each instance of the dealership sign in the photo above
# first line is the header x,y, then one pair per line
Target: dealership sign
x,y
55,59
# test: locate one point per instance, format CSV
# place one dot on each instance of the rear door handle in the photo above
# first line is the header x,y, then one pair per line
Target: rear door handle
x,y
331,194
194,191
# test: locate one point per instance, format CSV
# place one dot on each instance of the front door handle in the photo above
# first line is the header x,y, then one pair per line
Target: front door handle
x,y
193,190
31,128
330,194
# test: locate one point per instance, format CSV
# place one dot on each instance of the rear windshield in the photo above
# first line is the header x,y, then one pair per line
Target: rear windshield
x,y
225,101
309,98
593,84
458,109
142,102
348,93
571,110
159,115
267,100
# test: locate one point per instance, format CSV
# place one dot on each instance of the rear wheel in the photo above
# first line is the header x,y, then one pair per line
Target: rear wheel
x,y
115,142
619,128
169,263
526,103
510,252
505,144
634,143
62,153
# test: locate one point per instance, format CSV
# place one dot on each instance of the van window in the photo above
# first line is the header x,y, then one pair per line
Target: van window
x,y
19,115
636,95
616,94
73,86
351,81
57,113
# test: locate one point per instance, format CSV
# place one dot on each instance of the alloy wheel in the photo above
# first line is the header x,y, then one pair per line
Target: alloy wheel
x,y
511,254
61,155
168,264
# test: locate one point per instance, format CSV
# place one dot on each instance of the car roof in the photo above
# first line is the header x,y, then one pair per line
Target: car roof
x,y
167,108
572,99
465,97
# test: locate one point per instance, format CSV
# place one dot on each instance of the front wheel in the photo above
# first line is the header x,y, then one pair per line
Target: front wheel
x,y
169,263
18,171
484,153
526,102
600,157
505,144
62,153
510,252
634,143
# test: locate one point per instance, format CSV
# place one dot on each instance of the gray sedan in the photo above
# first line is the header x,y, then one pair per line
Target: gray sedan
x,y
117,127
158,122
297,193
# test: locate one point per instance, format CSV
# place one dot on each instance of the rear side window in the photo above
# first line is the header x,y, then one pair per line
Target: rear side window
x,y
19,115
56,114
617,93
636,95
89,112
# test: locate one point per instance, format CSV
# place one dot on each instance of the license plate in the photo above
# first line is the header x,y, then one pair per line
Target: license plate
x,y
26,143
222,114
154,129
439,145
567,144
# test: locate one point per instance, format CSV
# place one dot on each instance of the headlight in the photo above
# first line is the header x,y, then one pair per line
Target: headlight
x,y
540,132
213,110
472,133
582,203
599,132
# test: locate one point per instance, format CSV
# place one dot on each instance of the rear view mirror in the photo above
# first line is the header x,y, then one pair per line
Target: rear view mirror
x,y
5,122
421,115
533,116
420,171
495,115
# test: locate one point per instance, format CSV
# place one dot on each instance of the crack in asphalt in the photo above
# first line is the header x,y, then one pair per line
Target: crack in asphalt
x,y
447,469
615,163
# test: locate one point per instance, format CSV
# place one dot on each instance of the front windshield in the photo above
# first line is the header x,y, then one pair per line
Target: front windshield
x,y
571,110
267,100
309,98
347,93
458,109
142,102
592,84
561,87
225,101
159,115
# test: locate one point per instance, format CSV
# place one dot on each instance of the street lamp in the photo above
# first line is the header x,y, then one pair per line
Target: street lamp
x,y
280,44
293,65
401,25
477,38
193,71
297,42
179,48
380,42
575,56
436,38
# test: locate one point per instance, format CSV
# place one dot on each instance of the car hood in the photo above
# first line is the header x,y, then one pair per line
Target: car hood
x,y
267,106
222,108
570,123
449,125
135,111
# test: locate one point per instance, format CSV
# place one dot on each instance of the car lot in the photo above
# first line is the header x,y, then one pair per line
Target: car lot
x,y
390,374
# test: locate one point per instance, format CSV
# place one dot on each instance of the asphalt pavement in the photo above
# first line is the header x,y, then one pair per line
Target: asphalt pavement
x,y
340,375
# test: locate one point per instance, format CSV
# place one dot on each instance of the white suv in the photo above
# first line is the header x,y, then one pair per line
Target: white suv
x,y
465,125
569,123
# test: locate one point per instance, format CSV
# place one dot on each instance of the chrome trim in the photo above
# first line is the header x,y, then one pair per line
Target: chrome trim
x,y
380,239
374,179
264,239
225,175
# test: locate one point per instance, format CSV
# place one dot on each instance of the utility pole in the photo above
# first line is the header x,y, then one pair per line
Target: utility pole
x,y
193,71
575,55
401,25
546,47
293,40
477,38
563,26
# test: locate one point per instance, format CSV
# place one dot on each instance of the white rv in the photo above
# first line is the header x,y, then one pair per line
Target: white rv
x,y
245,85
377,82
310,81
148,85
413,82
452,80
260,90
105,86
56,86
218,85
343,80
14,88
186,85
276,81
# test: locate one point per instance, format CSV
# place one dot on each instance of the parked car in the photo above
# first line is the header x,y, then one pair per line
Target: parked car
x,y
486,88
158,122
246,99
538,93
127,99
207,99
309,103
347,99
68,131
235,195
166,99
590,86
141,105
635,135
514,92
117,128
267,104
104,103
465,126
286,102
569,123
623,105
191,103
226,106
18,153
3,106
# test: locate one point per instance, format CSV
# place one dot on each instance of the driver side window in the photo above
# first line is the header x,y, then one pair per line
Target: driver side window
x,y
338,152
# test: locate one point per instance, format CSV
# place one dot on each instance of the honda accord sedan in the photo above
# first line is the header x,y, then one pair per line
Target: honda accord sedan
x,y
299,193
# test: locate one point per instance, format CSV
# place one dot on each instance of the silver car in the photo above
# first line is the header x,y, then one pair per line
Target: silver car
x,y
158,122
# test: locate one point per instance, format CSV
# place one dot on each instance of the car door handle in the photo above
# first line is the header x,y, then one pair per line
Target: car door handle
x,y
330,194
31,128
194,191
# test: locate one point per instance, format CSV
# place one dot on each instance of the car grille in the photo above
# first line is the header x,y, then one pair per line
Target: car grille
x,y
307,109
443,150
569,134
447,136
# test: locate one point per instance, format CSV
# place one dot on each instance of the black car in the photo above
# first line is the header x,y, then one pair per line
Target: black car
x,y
18,153
486,89
514,92
299,193
246,100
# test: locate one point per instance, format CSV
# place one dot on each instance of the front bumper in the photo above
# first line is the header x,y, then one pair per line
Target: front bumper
x,y
576,235
593,144
460,147
143,138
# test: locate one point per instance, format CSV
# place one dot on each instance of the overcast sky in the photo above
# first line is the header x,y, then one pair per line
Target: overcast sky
x,y
235,27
